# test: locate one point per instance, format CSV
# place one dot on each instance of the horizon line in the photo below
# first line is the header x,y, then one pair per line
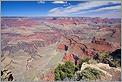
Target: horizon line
x,y
64,16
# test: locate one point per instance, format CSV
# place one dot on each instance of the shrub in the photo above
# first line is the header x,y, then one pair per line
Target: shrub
x,y
82,61
91,74
65,70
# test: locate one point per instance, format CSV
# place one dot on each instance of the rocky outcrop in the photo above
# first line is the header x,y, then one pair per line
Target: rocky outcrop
x,y
110,73
6,75
100,41
74,50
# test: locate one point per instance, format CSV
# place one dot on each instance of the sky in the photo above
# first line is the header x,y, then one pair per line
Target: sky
x,y
110,9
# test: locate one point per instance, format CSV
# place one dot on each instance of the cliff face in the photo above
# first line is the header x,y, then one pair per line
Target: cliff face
x,y
74,50
101,44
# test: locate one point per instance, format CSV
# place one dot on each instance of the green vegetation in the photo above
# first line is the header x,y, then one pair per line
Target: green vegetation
x,y
71,72
82,61
63,71
103,57
68,70
90,74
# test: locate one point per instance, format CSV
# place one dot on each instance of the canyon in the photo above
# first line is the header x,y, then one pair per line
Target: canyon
x,y
33,46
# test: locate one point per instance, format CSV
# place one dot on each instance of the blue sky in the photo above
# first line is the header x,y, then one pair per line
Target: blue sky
x,y
110,9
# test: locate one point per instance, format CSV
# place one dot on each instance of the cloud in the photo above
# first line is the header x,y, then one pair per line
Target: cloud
x,y
59,2
111,8
56,10
41,2
87,7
